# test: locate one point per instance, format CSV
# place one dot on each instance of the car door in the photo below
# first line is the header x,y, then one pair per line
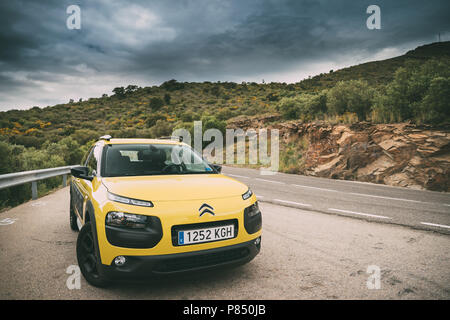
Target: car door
x,y
82,187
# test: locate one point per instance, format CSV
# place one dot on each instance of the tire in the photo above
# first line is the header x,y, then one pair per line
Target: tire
x,y
87,257
73,217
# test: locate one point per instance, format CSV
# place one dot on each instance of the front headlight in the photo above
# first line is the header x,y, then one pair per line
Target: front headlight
x,y
252,218
253,210
126,220
135,202
247,195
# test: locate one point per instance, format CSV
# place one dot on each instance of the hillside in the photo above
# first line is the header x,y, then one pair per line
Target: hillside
x,y
413,88
156,110
379,72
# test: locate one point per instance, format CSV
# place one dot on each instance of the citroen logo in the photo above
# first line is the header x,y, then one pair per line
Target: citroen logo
x,y
205,208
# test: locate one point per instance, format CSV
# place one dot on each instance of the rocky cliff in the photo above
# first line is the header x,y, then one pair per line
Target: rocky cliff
x,y
400,154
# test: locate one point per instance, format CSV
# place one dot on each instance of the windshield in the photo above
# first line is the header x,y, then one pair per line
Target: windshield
x,y
151,159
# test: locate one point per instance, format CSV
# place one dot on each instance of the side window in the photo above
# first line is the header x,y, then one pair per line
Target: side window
x,y
86,155
93,161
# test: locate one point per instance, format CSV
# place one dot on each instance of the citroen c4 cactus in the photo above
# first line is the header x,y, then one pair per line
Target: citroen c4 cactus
x,y
155,207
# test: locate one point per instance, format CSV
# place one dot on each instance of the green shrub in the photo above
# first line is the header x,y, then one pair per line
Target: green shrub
x,y
418,92
304,107
156,103
355,96
435,106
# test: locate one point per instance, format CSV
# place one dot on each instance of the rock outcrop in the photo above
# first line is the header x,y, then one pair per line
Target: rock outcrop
x,y
400,154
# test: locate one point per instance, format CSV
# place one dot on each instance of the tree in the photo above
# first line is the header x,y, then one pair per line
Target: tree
x,y
84,135
156,103
6,165
172,85
150,121
272,97
167,98
410,95
187,116
350,96
436,103
119,91
305,107
131,88
216,90
161,128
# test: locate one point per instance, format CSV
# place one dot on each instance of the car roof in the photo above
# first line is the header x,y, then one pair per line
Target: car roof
x,y
140,141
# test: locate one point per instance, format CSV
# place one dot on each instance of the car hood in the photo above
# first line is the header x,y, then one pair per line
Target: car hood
x,y
175,187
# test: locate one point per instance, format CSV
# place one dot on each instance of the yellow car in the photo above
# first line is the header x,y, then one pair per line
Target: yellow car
x,y
155,207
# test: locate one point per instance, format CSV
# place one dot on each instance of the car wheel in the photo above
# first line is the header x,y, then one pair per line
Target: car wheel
x,y
88,261
73,217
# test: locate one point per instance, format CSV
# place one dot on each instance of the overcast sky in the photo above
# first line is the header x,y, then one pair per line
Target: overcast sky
x,y
42,62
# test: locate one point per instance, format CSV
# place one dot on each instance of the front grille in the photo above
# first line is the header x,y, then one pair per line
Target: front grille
x,y
201,260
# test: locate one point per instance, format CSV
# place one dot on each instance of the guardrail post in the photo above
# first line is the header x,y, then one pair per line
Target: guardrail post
x,y
34,192
64,180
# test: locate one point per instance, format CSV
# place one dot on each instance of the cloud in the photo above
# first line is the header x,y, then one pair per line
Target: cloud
x,y
146,43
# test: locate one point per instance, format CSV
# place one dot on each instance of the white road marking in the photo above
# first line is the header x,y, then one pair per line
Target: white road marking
x,y
436,225
359,213
292,202
38,203
7,221
382,197
260,197
367,195
352,193
269,181
237,176
316,188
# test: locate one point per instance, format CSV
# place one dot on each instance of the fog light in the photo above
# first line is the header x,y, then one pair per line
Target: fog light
x,y
120,261
258,240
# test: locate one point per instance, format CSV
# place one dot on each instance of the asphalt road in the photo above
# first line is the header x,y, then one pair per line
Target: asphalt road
x,y
305,254
420,209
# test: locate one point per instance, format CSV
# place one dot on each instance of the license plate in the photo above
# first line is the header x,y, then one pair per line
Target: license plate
x,y
205,235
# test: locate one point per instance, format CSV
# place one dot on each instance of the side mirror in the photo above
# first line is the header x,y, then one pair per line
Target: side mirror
x,y
81,172
217,167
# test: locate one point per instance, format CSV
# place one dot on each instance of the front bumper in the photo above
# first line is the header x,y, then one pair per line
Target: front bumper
x,y
138,267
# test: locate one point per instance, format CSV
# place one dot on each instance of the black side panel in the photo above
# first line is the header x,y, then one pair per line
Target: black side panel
x,y
77,197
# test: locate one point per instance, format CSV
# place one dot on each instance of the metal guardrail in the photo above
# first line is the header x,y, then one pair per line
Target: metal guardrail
x,y
33,176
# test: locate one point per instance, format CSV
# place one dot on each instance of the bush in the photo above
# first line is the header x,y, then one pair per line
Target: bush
x,y
435,106
167,98
84,135
187,116
305,107
150,121
156,103
16,158
353,96
417,92
161,128
172,85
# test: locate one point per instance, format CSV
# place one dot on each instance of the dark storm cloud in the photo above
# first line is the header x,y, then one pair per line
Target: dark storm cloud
x,y
147,42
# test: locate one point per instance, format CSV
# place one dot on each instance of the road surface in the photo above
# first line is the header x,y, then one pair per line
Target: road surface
x,y
374,202
305,254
